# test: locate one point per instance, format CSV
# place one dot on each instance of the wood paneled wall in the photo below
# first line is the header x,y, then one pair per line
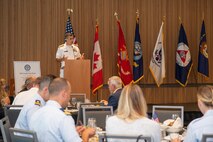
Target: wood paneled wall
x,y
33,29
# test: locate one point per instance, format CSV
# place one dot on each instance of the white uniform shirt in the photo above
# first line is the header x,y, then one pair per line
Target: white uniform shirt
x,y
53,125
200,126
69,52
143,126
25,96
28,110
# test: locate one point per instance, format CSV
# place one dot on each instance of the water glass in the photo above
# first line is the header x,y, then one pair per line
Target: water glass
x,y
74,102
91,123
175,116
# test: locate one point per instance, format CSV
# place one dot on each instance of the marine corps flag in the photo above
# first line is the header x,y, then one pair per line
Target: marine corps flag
x,y
69,29
138,57
183,59
97,68
124,68
157,63
203,61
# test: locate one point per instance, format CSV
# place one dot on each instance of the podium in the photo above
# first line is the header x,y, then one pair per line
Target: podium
x,y
77,72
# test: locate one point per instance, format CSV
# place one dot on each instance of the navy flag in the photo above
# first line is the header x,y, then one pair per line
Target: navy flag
x,y
203,61
138,57
183,59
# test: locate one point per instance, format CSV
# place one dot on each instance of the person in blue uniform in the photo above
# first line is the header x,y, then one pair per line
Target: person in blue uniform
x,y
203,125
34,104
51,123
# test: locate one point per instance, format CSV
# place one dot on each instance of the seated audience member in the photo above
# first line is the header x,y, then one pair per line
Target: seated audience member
x,y
34,104
131,117
115,88
4,98
50,122
203,125
23,97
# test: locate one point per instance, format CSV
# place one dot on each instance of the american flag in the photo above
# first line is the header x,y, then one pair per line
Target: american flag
x,y
69,29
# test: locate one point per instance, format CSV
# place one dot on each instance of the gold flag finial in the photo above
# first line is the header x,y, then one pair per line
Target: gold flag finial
x,y
116,15
203,15
69,11
180,19
164,19
137,12
96,21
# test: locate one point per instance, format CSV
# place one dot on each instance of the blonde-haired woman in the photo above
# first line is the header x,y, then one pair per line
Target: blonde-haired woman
x,y
3,94
202,125
131,117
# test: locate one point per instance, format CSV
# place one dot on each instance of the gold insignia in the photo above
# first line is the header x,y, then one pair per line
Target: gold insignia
x,y
67,112
61,45
38,102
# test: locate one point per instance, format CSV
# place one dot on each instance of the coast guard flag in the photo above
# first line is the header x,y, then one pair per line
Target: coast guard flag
x,y
69,29
138,57
203,61
157,63
97,68
183,59
124,68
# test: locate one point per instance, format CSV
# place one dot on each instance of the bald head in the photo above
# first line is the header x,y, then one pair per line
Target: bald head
x,y
58,85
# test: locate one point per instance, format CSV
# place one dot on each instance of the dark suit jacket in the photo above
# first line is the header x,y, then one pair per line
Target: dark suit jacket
x,y
114,98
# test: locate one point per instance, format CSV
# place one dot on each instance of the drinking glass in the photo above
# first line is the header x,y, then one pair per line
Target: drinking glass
x,y
91,123
74,102
175,116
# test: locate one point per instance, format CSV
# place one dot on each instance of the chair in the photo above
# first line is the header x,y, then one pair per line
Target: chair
x,y
165,112
81,97
97,112
12,111
207,138
5,125
20,135
104,137
80,110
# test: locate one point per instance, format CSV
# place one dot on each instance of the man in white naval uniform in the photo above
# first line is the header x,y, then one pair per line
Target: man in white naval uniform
x,y
51,124
34,104
67,51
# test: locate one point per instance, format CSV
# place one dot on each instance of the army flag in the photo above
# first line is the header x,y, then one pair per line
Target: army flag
x,y
69,29
97,68
157,63
203,61
124,68
183,59
138,57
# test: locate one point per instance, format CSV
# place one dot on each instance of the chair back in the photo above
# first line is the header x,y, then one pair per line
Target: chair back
x,y
97,112
20,135
81,97
12,111
165,112
80,110
5,125
207,138
121,138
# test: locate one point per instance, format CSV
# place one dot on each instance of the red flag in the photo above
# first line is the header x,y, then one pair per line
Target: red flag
x,y
124,68
97,68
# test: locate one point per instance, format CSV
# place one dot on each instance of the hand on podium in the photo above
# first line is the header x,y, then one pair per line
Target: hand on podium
x,y
104,101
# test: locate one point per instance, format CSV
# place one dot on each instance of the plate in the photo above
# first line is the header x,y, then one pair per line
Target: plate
x,y
169,138
174,130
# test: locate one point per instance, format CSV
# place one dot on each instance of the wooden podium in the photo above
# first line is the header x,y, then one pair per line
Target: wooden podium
x,y
78,74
